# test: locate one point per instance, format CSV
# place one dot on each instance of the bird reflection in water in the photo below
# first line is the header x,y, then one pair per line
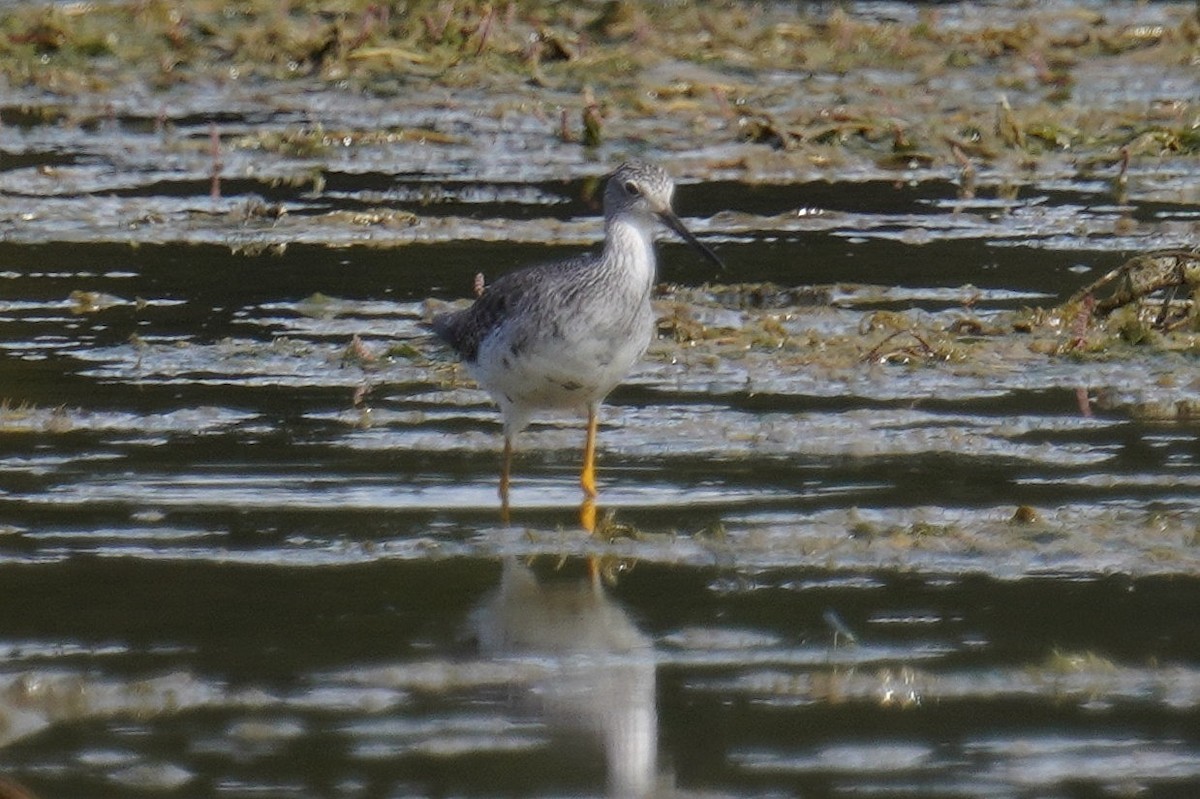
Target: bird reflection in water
x,y
602,676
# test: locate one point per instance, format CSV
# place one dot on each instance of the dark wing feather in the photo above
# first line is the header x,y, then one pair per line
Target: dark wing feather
x,y
466,330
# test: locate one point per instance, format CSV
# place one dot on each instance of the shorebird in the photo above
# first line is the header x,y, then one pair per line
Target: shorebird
x,y
560,336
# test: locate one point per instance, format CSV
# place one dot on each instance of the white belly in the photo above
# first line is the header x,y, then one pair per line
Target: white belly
x,y
559,373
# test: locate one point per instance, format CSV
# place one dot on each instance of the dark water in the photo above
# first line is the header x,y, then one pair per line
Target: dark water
x,y
236,559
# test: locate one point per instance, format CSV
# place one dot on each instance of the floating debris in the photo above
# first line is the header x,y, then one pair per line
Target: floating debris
x,y
1163,273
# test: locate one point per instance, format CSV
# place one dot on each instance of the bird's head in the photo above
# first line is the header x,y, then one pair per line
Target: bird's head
x,y
646,190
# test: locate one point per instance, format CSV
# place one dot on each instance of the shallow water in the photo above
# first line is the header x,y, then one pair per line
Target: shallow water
x,y
241,556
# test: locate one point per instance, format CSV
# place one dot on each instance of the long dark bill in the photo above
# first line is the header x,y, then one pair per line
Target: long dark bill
x,y
675,224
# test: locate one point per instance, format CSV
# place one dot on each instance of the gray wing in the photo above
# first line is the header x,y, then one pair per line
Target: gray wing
x,y
515,298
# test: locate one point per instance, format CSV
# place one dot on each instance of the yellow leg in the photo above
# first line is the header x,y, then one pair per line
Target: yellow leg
x,y
587,515
587,477
505,471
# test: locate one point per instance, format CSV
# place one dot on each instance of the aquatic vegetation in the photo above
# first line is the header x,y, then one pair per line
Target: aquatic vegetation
x,y
929,446
1136,283
683,63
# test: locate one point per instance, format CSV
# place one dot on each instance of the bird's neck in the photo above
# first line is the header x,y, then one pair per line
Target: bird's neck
x,y
629,243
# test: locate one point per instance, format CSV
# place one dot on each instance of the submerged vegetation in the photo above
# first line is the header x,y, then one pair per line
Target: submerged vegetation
x,y
1150,302
930,86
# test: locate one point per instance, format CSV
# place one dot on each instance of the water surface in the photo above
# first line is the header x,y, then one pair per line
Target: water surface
x,y
250,543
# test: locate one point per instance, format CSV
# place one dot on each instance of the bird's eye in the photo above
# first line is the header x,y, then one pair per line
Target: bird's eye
x,y
632,188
